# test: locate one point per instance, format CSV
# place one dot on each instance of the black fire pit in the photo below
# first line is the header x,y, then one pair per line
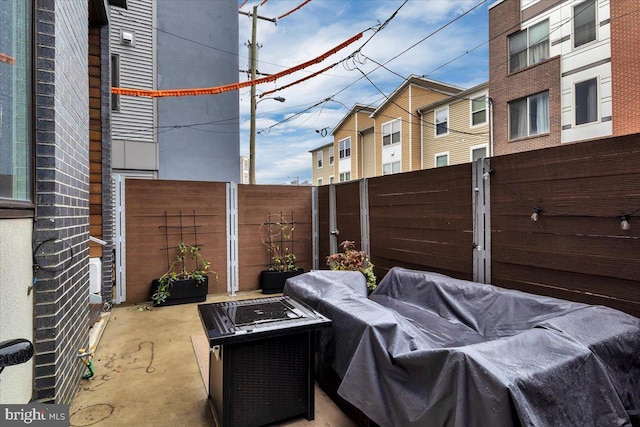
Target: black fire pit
x,y
261,363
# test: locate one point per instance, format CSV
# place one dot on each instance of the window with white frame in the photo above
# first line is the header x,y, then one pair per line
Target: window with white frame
x,y
319,159
479,110
391,132
586,101
584,23
345,176
442,159
529,116
478,152
390,168
319,181
331,156
331,179
442,121
344,148
529,46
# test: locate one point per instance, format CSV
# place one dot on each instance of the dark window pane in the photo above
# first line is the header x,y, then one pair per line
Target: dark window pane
x,y
517,51
587,101
584,23
518,119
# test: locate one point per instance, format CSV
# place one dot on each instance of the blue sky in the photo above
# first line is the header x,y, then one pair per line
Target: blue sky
x,y
282,150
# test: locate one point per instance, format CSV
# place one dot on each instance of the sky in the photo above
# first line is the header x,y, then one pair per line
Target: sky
x,y
282,149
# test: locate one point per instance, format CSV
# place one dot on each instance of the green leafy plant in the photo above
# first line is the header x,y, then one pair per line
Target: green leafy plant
x,y
353,260
277,236
178,271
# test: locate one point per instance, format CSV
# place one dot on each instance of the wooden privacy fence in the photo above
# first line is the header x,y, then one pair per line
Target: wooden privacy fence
x,y
226,218
473,221
470,221
576,249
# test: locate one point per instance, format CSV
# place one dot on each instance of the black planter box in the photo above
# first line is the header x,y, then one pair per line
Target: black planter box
x,y
184,291
272,282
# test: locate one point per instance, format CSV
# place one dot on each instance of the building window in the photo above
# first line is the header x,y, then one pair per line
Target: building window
x,y
391,133
15,103
319,159
479,110
345,176
442,159
529,46
319,181
442,121
529,116
344,147
115,81
586,96
391,167
478,152
584,23
331,156
331,179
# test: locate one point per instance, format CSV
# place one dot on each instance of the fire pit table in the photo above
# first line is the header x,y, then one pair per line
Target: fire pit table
x,y
261,359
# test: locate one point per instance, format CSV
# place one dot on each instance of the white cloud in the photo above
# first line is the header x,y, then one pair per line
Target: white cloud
x,y
320,25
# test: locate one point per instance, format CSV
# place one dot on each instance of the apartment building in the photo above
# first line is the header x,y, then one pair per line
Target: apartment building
x,y
323,159
176,45
456,129
422,124
562,71
397,128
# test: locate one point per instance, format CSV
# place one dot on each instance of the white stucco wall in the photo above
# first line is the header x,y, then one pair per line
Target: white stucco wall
x,y
16,306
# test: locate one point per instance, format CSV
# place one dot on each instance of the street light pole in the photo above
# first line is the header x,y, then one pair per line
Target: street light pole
x,y
252,136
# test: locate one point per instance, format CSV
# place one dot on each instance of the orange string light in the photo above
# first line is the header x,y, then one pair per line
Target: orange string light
x,y
242,5
293,10
233,86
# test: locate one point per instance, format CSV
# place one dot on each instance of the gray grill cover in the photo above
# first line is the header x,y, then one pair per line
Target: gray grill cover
x,y
429,350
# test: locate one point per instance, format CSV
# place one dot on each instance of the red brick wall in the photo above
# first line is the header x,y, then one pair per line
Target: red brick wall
x,y
504,19
625,67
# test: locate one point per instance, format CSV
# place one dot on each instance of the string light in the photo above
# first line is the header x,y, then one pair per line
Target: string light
x,y
624,223
536,213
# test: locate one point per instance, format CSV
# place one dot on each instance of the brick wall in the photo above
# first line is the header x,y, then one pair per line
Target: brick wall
x,y
62,175
504,19
625,39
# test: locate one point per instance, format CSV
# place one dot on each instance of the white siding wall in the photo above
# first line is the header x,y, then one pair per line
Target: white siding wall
x,y
136,119
592,60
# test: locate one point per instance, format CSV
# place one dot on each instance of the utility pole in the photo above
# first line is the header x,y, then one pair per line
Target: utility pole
x,y
253,52
253,71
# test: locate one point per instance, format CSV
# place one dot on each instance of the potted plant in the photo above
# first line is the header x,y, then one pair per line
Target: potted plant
x,y
353,260
180,285
277,236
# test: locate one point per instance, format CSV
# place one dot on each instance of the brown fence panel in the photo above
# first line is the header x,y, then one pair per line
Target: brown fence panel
x,y
423,220
255,203
348,213
146,203
323,226
576,250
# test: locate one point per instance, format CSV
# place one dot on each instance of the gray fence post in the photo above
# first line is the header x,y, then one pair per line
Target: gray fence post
x,y
333,220
364,216
315,224
481,183
232,238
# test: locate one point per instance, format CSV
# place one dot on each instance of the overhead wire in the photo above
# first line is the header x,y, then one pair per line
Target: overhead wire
x,y
294,9
233,86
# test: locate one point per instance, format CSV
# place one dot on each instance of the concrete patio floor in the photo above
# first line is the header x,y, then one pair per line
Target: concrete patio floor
x,y
147,372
